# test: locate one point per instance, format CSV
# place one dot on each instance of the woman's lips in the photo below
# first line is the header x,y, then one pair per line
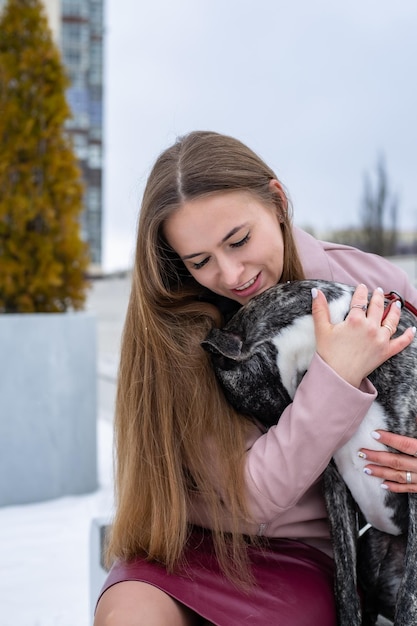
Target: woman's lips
x,y
249,288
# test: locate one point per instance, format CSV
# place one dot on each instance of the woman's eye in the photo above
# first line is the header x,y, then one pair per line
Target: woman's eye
x,y
197,266
241,242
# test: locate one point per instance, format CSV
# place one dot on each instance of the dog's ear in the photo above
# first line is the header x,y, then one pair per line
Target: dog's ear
x,y
220,342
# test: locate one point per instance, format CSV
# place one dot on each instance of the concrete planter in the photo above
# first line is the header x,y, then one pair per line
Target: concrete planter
x,y
48,421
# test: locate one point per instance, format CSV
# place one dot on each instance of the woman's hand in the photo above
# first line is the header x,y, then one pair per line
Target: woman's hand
x,y
362,342
399,471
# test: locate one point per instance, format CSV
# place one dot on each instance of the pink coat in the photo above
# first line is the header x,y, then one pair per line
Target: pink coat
x,y
285,464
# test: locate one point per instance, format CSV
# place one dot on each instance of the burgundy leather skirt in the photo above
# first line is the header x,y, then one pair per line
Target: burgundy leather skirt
x,y
294,584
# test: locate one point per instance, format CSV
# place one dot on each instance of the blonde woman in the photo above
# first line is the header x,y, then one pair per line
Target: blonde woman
x,y
216,521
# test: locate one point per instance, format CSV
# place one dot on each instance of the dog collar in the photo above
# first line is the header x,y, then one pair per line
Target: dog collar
x,y
394,296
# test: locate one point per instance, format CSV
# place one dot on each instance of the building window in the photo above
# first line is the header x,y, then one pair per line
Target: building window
x,y
72,33
94,199
94,156
96,17
80,146
72,56
74,8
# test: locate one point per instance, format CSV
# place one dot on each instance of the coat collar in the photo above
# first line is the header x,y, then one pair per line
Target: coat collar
x,y
312,253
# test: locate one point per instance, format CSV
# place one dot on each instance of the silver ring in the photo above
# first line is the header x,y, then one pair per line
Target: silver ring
x,y
359,306
408,478
391,330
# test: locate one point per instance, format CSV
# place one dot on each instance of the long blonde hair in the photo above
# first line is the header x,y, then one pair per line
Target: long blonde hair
x,y
169,405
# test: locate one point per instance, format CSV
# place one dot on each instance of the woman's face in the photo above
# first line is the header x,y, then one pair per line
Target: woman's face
x,y
230,242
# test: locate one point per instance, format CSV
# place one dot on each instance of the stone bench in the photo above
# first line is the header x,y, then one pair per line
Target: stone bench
x,y
98,570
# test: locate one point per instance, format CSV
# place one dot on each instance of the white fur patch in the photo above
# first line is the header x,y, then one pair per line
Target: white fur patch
x,y
296,343
366,490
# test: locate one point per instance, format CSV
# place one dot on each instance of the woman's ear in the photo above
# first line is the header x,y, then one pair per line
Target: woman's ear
x,y
277,190
276,187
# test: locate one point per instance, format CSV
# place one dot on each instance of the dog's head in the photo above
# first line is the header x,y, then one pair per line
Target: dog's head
x,y
263,352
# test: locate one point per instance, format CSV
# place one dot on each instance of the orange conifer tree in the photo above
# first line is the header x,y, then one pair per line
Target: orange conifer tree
x,y
43,258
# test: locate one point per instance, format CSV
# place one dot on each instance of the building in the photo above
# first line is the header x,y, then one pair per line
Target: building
x,y
77,26
81,42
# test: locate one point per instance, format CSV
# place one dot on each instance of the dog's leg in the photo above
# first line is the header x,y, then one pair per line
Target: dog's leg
x,y
406,610
342,519
380,569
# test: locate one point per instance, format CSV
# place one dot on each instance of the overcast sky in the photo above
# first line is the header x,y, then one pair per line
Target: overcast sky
x,y
319,88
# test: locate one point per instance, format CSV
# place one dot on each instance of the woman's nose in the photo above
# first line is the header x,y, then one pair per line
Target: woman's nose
x,y
230,271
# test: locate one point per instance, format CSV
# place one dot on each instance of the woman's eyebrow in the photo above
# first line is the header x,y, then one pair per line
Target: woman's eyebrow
x,y
225,238
190,256
232,232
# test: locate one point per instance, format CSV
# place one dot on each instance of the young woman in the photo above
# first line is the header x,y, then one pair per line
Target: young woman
x,y
216,521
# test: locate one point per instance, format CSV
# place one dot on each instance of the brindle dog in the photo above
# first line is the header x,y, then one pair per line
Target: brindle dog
x,y
260,357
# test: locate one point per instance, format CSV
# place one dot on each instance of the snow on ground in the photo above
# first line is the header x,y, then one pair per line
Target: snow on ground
x,y
44,552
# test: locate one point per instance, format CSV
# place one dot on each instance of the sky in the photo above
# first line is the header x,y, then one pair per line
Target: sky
x,y
319,89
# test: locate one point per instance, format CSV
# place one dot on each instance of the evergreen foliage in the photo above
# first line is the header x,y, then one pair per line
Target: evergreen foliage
x,y
43,259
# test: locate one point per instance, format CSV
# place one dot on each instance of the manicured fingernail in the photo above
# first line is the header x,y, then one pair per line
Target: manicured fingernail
x,y
361,455
384,486
375,435
367,471
398,304
414,330
380,289
314,293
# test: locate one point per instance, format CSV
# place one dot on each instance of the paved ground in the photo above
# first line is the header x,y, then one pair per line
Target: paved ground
x,y
108,299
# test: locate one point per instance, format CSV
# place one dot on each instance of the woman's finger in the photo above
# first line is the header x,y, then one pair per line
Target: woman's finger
x,y
319,309
398,470
391,320
359,303
376,304
402,443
